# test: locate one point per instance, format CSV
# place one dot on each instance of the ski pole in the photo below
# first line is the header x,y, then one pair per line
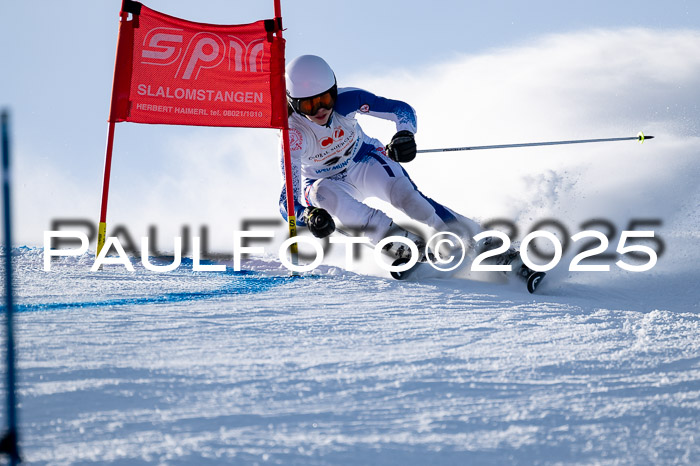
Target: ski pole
x,y
350,235
640,137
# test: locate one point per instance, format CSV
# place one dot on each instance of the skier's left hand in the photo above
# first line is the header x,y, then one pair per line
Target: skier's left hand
x,y
402,147
319,222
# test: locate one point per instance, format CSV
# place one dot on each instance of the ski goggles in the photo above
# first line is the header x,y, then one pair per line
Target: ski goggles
x,y
311,105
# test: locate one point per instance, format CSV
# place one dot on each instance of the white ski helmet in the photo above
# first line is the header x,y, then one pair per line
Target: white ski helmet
x,y
308,76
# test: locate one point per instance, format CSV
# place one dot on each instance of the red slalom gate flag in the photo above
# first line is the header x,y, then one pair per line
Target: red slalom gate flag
x,y
178,72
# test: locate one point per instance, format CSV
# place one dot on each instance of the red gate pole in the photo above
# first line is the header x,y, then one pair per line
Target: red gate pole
x,y
102,230
289,181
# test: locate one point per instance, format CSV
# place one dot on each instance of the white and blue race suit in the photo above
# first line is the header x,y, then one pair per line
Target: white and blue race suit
x,y
336,167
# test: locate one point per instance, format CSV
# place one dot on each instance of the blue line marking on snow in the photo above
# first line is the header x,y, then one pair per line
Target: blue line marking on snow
x,y
243,282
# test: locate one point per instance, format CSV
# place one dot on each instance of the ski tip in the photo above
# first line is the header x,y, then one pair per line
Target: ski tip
x,y
400,275
534,280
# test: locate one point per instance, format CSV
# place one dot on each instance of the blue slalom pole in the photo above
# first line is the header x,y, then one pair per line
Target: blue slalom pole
x,y
8,443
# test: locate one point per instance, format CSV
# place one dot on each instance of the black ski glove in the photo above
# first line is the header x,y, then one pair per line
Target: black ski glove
x,y
319,222
402,147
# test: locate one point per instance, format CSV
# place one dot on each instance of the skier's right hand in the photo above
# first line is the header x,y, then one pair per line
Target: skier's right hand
x,y
319,222
402,147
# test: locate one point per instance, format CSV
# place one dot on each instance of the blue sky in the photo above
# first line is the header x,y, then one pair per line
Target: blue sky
x,y
57,66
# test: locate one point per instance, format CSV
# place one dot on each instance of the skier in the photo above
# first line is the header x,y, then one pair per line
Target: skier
x,y
336,166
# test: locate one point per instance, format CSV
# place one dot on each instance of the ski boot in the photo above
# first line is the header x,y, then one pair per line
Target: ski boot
x,y
402,254
531,277
400,251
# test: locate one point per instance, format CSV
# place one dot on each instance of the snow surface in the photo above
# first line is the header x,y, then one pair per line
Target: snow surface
x,y
341,368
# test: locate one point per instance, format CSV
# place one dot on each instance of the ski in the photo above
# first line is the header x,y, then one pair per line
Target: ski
x,y
406,273
533,281
531,278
